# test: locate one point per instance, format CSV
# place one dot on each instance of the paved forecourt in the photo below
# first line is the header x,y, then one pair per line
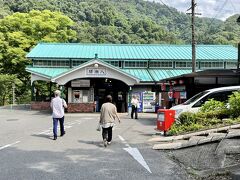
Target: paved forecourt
x,y
27,150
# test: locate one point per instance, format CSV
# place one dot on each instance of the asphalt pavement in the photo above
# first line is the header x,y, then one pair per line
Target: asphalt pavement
x,y
27,150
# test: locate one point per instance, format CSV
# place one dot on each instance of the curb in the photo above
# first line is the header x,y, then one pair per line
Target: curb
x,y
235,175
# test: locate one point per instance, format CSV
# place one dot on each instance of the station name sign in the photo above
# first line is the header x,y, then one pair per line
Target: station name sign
x,y
96,71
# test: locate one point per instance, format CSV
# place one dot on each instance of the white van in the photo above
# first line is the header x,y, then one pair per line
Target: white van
x,y
194,103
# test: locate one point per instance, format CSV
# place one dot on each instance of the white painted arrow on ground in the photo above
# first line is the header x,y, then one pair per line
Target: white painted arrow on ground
x,y
134,152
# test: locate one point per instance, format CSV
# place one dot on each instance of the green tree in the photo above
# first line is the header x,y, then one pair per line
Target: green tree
x,y
6,85
19,32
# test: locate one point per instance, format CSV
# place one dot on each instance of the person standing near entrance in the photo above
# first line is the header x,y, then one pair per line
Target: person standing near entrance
x,y
58,104
134,103
107,117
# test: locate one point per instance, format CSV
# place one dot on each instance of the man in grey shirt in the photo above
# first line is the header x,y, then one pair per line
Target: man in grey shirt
x,y
58,104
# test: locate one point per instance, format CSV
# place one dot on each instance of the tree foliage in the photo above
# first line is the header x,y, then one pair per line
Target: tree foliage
x,y
132,21
19,32
6,84
24,23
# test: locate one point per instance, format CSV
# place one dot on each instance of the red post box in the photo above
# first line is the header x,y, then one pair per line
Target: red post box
x,y
165,119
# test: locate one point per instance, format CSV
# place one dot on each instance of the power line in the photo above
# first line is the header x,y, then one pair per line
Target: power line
x,y
235,10
220,8
168,8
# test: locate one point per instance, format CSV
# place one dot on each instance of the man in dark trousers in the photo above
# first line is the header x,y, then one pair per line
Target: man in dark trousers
x,y
134,103
58,104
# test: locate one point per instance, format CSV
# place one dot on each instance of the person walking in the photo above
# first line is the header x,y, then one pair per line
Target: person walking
x,y
108,116
134,103
57,105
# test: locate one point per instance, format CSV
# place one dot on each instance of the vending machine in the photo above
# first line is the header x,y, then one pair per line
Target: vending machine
x,y
148,101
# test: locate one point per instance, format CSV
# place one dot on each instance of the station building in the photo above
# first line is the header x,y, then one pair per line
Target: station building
x,y
86,73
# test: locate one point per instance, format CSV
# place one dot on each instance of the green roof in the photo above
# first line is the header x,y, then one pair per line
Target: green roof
x,y
132,51
140,73
158,74
47,72
144,75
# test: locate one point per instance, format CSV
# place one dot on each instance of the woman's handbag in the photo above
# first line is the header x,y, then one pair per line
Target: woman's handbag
x,y
99,127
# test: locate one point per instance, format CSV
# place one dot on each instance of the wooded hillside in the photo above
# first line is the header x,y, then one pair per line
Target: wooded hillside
x,y
24,23
131,21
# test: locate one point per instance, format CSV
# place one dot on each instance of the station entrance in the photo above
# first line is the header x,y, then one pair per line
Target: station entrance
x,y
95,90
117,89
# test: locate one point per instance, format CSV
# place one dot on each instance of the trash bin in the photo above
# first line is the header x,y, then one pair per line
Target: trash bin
x,y
165,119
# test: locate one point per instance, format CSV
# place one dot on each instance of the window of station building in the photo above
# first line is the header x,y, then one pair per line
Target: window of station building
x,y
135,64
49,63
211,65
81,96
60,63
114,63
162,64
183,64
231,65
77,62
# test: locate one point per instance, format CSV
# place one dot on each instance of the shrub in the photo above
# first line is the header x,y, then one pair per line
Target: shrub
x,y
234,104
213,105
215,109
187,118
180,129
209,116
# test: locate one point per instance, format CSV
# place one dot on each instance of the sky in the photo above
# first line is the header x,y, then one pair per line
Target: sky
x,y
219,9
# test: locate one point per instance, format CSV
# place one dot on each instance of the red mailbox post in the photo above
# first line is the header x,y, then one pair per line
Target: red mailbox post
x,y
165,119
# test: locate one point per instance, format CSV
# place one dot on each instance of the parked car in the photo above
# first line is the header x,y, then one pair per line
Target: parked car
x,y
194,103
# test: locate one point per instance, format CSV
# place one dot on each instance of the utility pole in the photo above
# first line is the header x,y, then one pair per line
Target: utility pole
x,y
193,5
238,61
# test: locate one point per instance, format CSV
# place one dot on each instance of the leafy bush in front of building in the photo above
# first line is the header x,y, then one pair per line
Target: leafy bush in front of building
x,y
214,109
212,114
186,122
187,118
234,104
182,128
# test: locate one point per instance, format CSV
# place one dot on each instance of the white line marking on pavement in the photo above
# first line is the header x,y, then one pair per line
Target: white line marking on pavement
x,y
43,132
66,126
134,152
88,118
121,138
123,141
8,145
